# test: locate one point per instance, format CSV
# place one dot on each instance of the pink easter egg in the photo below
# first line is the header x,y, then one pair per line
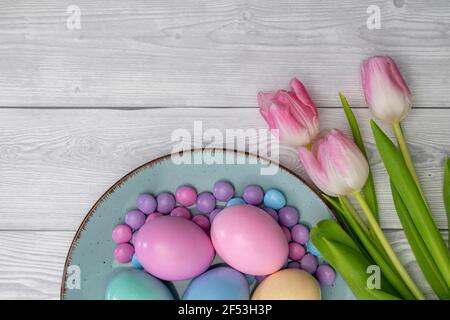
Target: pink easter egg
x,y
173,248
249,240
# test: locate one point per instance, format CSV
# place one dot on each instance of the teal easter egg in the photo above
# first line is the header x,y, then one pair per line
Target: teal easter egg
x,y
220,283
133,284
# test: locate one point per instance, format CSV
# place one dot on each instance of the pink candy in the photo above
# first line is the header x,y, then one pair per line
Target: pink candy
x,y
186,196
123,252
287,233
121,233
153,216
296,251
181,212
202,221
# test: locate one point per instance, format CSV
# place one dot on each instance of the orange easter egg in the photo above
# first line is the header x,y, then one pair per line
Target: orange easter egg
x,y
288,284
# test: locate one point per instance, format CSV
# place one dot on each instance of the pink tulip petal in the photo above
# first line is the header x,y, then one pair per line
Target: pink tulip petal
x,y
291,112
335,163
385,89
301,93
264,102
314,169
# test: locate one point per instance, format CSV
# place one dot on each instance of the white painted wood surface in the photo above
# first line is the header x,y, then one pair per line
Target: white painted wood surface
x,y
163,53
58,162
81,108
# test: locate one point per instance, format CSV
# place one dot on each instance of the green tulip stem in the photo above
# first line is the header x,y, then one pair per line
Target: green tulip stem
x,y
405,151
387,247
354,213
368,230
407,157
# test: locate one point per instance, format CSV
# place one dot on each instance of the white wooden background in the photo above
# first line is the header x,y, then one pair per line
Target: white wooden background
x,y
81,108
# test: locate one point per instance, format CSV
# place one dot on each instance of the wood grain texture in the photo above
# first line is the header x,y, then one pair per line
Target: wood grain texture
x,y
54,164
32,262
178,60
181,53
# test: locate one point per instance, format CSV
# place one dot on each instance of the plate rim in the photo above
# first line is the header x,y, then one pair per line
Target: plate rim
x,y
152,163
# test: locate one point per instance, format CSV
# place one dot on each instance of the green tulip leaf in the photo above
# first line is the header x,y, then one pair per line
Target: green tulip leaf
x,y
418,247
340,217
447,191
369,187
412,198
376,253
345,256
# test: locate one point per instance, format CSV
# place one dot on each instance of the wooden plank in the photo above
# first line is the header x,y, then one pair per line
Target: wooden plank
x,y
204,54
54,164
32,262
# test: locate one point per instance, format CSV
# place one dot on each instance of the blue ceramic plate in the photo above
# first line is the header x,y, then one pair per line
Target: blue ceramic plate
x,y
91,254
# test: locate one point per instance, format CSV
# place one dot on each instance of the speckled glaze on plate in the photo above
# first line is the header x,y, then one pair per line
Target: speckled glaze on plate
x,y
92,247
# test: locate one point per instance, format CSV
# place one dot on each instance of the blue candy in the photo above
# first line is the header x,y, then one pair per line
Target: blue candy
x,y
312,249
250,278
135,262
274,199
235,201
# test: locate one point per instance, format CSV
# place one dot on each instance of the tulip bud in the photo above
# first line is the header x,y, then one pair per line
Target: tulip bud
x,y
335,164
386,92
293,113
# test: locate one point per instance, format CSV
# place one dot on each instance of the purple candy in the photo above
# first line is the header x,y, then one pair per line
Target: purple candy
x,y
202,221
296,251
166,202
260,279
135,219
223,191
121,233
206,202
253,195
300,234
293,265
272,213
213,214
146,203
288,216
181,212
123,252
309,263
325,274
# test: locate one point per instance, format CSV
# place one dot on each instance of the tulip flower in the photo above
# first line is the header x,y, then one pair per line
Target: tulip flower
x,y
335,164
386,92
338,167
389,100
291,115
